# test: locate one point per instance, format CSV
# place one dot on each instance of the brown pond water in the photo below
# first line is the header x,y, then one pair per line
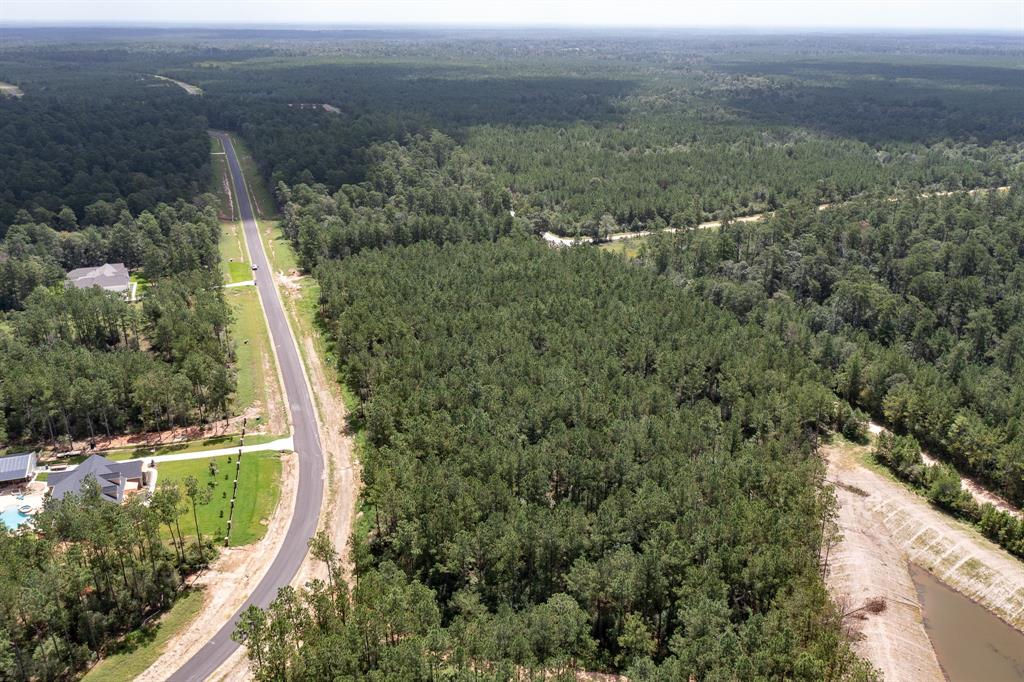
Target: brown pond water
x,y
972,645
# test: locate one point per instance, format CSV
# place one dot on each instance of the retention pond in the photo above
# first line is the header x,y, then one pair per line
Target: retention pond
x,y
970,643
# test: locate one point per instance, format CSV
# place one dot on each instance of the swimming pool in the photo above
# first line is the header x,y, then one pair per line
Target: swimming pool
x,y
12,518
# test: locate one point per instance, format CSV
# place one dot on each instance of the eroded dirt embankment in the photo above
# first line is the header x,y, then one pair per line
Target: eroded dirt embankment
x,y
867,564
884,526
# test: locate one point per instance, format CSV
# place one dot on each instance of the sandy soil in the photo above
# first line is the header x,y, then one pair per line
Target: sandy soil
x,y
278,420
343,480
977,491
867,563
13,90
980,494
955,552
187,87
229,580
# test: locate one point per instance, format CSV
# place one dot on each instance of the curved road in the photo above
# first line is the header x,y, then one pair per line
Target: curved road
x,y
306,438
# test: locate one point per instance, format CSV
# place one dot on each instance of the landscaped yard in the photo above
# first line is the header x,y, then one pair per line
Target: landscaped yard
x,y
259,488
144,646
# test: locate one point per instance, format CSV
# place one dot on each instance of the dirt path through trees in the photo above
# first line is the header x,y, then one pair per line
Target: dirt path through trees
x,y
980,494
557,240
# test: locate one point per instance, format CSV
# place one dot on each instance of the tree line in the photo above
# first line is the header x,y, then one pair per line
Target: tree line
x,y
671,137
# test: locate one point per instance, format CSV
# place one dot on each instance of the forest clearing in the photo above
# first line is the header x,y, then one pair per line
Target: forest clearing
x,y
10,90
889,514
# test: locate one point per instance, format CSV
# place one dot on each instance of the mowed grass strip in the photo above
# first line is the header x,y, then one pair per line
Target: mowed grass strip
x,y
253,358
219,173
234,261
259,490
142,647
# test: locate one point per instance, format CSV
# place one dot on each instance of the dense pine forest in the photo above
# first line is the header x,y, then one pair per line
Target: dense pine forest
x,y
573,461
915,309
541,429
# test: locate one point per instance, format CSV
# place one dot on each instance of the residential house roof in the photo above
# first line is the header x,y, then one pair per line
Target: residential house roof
x,y
17,467
109,276
111,477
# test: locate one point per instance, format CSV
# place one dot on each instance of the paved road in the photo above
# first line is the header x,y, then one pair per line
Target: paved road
x,y
306,438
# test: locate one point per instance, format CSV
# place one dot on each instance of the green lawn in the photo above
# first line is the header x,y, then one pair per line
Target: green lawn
x,y
144,646
141,284
259,489
253,357
239,272
234,261
232,247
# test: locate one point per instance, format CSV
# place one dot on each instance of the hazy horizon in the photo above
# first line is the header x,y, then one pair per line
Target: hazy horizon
x,y
988,16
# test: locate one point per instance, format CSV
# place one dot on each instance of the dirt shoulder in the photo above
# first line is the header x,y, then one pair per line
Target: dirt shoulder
x,y
229,581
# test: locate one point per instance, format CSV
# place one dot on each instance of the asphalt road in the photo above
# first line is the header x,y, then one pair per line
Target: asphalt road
x,y
304,431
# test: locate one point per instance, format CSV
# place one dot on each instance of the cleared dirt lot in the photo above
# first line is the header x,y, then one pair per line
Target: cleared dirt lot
x,y
884,526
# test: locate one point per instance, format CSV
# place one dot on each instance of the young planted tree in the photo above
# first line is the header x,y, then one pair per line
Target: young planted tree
x,y
198,495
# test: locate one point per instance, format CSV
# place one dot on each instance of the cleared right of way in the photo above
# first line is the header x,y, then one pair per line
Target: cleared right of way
x,y
305,434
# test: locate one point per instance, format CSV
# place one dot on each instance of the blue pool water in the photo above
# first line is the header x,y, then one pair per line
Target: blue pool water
x,y
12,518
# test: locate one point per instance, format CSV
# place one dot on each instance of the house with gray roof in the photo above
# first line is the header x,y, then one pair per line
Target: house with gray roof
x,y
116,479
17,468
109,277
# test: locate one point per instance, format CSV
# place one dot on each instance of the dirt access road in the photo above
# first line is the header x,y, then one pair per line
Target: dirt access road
x,y
305,431
980,494
556,240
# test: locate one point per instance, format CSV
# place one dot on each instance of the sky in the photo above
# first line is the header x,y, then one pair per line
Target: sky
x,y
962,15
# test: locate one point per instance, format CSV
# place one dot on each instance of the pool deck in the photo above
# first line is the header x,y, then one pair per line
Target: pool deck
x,y
33,497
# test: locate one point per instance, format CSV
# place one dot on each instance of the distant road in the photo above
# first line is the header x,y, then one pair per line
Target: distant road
x,y
557,240
309,495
